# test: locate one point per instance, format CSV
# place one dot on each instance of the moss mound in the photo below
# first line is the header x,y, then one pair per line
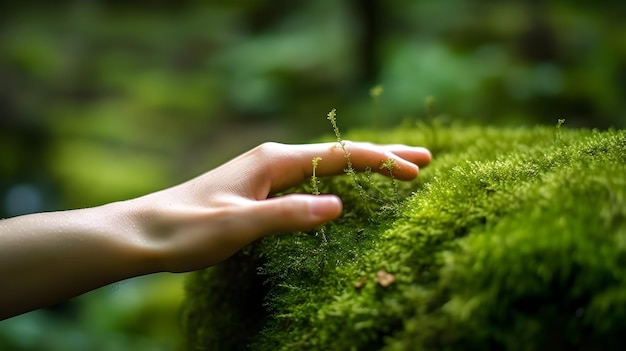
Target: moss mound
x,y
511,239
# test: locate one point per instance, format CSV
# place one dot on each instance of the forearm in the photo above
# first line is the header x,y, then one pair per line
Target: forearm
x,y
48,257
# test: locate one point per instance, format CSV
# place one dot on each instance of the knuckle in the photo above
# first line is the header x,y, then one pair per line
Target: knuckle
x,y
267,148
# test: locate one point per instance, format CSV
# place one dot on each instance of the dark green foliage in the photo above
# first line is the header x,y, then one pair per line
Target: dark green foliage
x,y
234,307
507,241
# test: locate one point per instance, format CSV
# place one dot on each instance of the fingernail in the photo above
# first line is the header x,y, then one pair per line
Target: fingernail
x,y
325,205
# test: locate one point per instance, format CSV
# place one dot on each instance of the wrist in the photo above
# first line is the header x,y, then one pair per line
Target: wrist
x,y
127,224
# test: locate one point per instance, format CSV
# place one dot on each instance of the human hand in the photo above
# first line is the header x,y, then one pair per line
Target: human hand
x,y
190,226
207,219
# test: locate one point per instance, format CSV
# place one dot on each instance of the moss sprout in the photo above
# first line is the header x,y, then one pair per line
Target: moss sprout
x,y
389,165
375,93
316,190
314,179
557,136
429,104
431,122
332,117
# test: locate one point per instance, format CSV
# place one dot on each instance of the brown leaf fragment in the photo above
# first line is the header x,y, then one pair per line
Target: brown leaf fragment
x,y
361,283
384,278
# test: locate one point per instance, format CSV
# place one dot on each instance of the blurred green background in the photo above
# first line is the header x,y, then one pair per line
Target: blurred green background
x,y
108,100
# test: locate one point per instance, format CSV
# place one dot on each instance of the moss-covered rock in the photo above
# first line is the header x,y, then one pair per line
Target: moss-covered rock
x,y
511,239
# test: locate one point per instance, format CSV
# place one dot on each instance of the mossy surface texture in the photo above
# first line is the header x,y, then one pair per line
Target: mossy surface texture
x,y
511,239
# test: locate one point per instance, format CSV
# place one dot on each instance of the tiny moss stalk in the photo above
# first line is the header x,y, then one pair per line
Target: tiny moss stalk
x,y
557,135
429,104
389,164
316,190
314,180
375,94
332,117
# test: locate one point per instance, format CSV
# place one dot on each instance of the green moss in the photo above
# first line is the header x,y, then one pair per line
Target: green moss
x,y
509,240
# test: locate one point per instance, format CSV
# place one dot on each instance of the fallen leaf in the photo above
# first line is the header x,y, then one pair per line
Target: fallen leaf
x,y
384,278
360,283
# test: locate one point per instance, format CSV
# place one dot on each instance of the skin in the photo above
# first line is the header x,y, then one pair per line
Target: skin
x,y
46,258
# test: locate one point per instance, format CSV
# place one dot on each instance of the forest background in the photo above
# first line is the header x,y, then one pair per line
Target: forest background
x,y
108,100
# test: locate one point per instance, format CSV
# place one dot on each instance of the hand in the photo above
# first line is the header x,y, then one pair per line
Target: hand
x,y
48,257
209,218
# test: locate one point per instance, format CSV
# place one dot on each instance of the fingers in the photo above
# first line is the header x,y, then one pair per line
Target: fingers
x,y
290,213
418,155
291,164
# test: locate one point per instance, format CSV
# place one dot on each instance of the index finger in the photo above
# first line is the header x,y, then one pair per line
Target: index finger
x,y
292,164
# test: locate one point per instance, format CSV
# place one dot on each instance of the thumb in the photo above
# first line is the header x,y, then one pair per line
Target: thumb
x,y
294,212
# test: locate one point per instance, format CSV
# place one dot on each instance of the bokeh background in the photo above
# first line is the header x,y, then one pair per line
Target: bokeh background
x,y
107,100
